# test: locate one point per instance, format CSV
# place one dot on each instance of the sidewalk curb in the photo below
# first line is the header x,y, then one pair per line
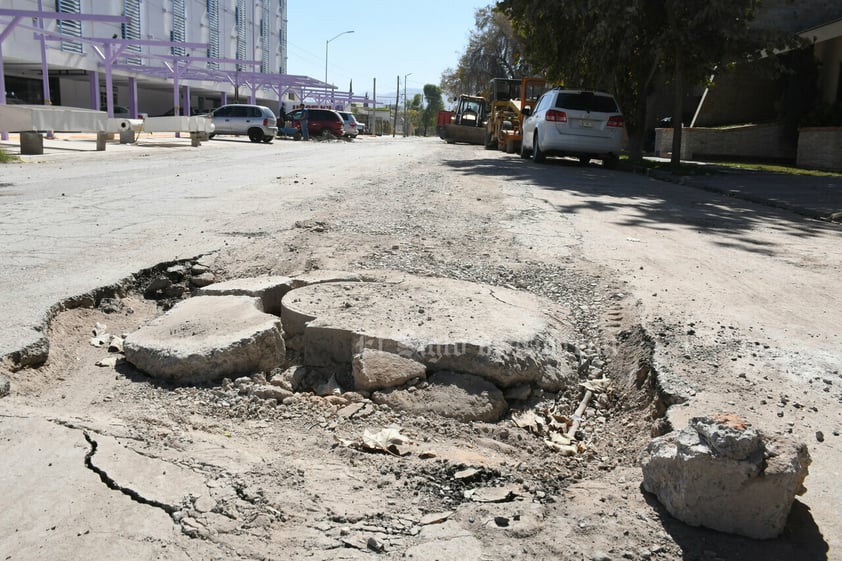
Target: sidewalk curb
x,y
737,194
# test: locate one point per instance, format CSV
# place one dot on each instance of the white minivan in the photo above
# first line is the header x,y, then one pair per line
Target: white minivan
x,y
579,123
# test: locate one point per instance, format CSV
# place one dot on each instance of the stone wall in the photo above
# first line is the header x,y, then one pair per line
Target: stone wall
x,y
820,148
750,142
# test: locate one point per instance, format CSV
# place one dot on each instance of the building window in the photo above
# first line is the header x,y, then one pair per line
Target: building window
x,y
69,27
240,17
265,54
131,29
179,23
213,33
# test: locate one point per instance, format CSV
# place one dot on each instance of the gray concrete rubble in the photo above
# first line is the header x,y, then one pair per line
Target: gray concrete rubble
x,y
384,336
721,473
501,335
463,397
207,338
377,370
270,290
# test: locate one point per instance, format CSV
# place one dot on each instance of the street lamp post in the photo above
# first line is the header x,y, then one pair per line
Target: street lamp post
x,y
326,44
405,106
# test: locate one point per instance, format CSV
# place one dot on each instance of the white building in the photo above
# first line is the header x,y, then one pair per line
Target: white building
x,y
232,50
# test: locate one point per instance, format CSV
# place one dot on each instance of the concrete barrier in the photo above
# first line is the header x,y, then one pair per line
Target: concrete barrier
x,y
37,118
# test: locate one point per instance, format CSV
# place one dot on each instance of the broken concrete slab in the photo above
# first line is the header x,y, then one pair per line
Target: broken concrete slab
x,y
5,386
719,472
270,290
322,276
502,335
156,480
445,541
207,338
378,370
54,504
464,397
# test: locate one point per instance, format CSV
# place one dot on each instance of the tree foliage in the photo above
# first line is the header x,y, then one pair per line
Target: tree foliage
x,y
493,51
621,45
435,103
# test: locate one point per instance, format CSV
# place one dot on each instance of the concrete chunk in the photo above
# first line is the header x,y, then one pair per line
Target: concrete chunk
x,y
501,335
719,472
463,397
270,290
377,370
207,338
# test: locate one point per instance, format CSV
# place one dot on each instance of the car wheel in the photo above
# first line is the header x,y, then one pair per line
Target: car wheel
x,y
537,154
211,135
255,135
524,153
511,146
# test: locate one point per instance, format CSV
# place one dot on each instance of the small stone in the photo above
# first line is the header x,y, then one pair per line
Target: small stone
x,y
205,279
269,391
819,436
600,556
204,504
375,545
501,521
108,362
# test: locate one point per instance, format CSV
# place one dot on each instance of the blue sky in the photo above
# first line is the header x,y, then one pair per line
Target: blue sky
x,y
390,39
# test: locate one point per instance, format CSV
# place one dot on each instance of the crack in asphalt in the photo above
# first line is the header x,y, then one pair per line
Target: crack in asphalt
x,y
111,484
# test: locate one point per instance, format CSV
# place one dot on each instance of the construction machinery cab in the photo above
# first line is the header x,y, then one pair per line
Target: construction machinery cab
x,y
509,97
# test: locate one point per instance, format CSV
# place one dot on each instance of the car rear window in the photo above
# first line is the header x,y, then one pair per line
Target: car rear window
x,y
586,101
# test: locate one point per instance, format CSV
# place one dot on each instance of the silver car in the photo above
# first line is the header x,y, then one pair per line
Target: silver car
x,y
350,126
579,123
256,121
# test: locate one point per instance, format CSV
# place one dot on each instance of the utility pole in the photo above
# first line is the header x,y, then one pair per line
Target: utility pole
x,y
373,111
397,100
405,106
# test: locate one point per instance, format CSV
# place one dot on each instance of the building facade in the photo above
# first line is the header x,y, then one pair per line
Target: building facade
x,y
244,38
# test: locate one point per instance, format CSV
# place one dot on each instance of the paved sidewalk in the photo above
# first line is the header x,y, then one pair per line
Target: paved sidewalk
x,y
814,197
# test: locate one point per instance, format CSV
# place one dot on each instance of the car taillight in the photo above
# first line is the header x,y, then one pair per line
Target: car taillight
x,y
616,121
266,122
556,116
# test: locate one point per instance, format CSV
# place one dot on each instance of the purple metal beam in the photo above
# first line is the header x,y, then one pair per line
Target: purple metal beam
x,y
17,16
62,16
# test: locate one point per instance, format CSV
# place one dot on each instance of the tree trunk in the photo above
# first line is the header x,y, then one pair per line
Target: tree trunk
x,y
677,112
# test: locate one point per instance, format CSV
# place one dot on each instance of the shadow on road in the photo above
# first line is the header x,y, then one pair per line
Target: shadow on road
x,y
801,540
649,203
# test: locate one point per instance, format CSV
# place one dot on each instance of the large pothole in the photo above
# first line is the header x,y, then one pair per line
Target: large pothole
x,y
405,341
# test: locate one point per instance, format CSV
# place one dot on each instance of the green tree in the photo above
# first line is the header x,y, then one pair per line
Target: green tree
x,y
435,103
621,45
493,51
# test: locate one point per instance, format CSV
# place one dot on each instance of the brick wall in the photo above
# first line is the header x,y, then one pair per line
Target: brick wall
x,y
820,148
750,142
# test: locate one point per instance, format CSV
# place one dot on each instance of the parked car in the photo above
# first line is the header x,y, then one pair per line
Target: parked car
x,y
582,124
320,122
350,125
255,121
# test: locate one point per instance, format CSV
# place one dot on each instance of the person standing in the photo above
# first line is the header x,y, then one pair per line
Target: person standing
x,y
305,119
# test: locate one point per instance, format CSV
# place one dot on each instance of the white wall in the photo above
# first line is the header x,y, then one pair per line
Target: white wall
x,y
156,24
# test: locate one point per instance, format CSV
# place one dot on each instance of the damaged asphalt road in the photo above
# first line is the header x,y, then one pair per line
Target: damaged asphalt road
x,y
690,303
